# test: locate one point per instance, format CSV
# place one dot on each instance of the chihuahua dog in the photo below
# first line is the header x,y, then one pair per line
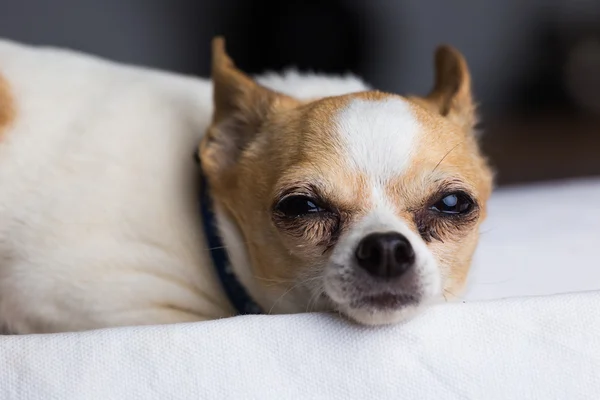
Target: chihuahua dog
x,y
319,193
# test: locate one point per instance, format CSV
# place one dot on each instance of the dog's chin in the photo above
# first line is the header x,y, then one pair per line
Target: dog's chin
x,y
384,309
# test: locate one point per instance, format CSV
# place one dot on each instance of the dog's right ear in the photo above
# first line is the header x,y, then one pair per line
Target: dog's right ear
x,y
451,95
241,106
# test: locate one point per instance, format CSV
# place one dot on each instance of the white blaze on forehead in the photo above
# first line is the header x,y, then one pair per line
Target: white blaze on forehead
x,y
379,139
379,136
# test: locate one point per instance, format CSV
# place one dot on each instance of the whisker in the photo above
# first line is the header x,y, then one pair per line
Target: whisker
x,y
290,289
451,294
446,155
245,242
273,282
215,248
313,300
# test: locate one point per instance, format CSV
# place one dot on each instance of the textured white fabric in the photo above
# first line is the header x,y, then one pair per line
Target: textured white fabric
x,y
537,348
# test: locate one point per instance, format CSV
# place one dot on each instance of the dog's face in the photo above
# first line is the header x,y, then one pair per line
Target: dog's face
x,y
368,203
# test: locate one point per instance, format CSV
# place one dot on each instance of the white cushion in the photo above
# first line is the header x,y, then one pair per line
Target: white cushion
x,y
539,348
539,240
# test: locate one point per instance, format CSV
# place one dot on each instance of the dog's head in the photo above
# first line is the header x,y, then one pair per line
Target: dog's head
x,y
367,203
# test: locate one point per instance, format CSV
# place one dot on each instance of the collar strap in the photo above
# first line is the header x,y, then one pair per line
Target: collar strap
x,y
237,294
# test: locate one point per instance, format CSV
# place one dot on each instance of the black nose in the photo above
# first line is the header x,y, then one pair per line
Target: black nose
x,y
385,255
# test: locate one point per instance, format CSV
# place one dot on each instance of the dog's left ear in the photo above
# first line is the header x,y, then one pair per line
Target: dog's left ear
x,y
241,107
451,95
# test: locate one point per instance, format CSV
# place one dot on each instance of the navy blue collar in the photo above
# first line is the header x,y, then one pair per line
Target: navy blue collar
x,y
238,296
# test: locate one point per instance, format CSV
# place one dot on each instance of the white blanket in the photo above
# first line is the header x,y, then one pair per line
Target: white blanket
x,y
538,241
538,348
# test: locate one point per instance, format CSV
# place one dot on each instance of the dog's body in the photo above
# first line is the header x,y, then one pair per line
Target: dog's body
x,y
99,217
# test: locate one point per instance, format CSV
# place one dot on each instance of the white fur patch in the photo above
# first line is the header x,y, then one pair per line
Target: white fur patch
x,y
379,137
307,86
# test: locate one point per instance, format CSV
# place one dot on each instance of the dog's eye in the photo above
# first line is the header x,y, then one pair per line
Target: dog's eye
x,y
298,206
454,203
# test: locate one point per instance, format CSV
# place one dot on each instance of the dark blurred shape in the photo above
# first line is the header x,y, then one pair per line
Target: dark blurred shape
x,y
326,36
565,76
582,68
541,87
525,149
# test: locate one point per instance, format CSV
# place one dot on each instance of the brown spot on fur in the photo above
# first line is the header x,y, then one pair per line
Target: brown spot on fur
x,y
7,106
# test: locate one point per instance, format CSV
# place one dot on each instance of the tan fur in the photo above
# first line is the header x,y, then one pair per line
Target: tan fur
x,y
7,106
297,144
451,93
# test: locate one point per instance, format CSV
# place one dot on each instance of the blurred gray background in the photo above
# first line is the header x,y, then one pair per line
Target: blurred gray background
x,y
535,63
